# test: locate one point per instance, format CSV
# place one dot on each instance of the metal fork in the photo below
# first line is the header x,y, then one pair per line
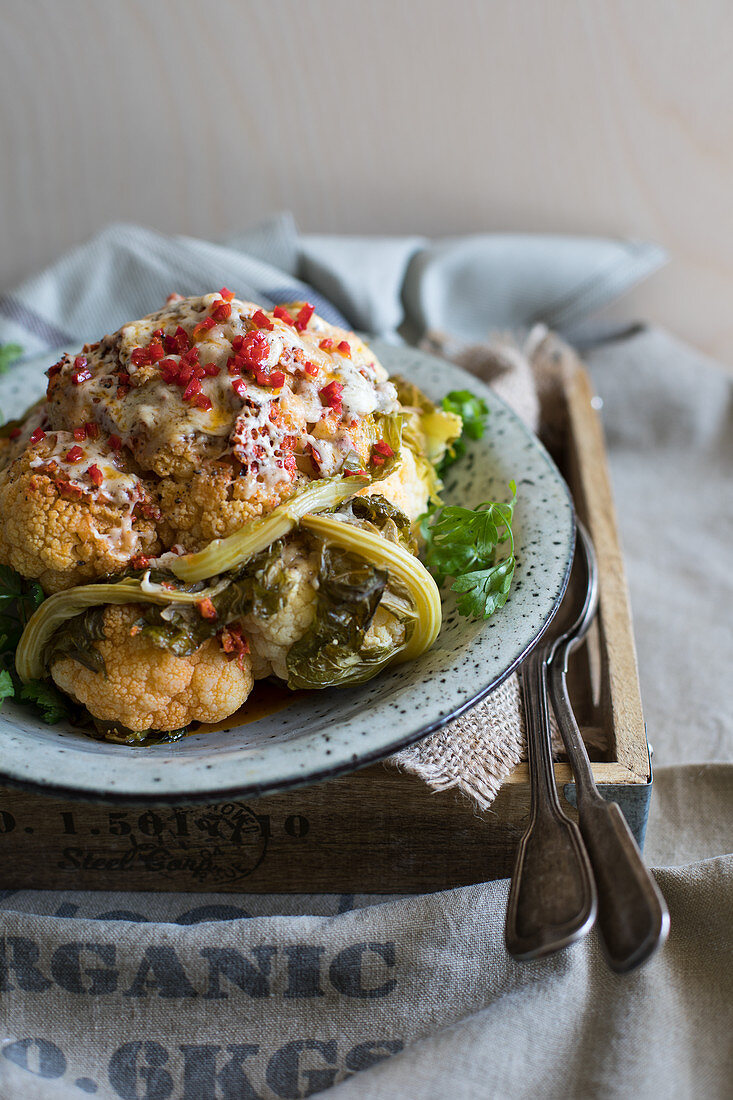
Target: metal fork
x,y
633,919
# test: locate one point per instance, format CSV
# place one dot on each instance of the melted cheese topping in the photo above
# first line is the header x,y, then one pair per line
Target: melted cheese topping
x,y
118,488
228,412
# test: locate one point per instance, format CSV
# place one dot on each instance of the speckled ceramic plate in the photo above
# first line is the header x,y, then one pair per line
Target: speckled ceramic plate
x,y
328,732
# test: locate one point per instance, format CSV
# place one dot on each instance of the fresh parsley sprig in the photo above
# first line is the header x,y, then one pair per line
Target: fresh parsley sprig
x,y
466,544
473,412
19,598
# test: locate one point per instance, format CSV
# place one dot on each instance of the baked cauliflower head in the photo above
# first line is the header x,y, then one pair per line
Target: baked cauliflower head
x,y
215,494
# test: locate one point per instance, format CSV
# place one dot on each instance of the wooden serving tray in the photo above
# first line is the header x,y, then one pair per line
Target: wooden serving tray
x,y
376,830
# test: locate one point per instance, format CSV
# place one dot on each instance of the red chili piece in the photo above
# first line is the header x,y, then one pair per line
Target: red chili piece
x,y
96,475
74,455
326,344
275,379
80,434
91,429
254,347
81,372
304,315
262,321
220,311
311,369
344,348
381,451
330,396
282,314
200,330
115,442
202,401
227,295
36,436
206,609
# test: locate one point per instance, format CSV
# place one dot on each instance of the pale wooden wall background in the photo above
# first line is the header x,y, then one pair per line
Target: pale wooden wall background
x,y
436,116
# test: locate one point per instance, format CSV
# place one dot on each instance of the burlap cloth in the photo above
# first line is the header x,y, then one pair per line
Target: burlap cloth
x,y
476,752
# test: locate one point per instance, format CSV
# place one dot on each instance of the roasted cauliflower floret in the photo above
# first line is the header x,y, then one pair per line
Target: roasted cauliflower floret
x,y
60,535
150,688
271,638
212,505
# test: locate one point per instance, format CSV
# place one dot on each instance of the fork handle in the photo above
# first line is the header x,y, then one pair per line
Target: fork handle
x,y
632,915
552,899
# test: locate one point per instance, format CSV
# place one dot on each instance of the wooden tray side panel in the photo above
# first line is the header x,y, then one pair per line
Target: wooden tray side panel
x,y
588,476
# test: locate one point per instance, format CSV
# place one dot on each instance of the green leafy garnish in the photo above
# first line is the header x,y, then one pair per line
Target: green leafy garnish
x,y
19,598
8,354
473,412
7,687
47,699
465,544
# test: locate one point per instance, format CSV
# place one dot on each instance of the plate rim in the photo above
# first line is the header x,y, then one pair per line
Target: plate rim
x,y
364,759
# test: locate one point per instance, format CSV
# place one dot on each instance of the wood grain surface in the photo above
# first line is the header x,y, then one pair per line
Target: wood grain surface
x,y
588,116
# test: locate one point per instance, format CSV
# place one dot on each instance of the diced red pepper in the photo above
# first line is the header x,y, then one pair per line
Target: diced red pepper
x,y
92,429
311,369
74,455
139,562
185,373
326,344
383,449
178,342
330,396
155,351
344,348
200,330
255,347
304,315
227,295
282,314
115,442
211,370
139,357
96,475
16,433
240,387
262,321
73,492
275,379
36,436
55,369
193,387
80,434
220,311
81,372
202,401
206,608
354,473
